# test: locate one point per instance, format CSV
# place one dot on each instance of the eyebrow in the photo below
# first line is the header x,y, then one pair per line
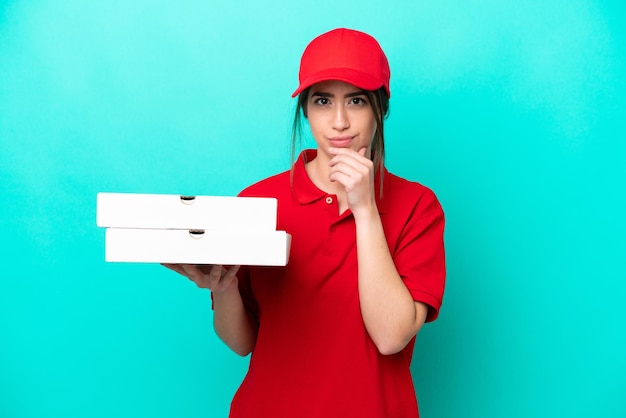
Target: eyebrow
x,y
353,94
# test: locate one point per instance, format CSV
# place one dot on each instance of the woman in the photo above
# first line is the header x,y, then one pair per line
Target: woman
x,y
332,333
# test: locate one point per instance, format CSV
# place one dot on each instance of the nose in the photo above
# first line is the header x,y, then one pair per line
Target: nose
x,y
340,119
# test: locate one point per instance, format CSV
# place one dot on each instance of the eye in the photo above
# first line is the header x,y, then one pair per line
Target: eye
x,y
322,101
359,101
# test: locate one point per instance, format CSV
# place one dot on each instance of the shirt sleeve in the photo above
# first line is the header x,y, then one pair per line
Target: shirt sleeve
x,y
420,257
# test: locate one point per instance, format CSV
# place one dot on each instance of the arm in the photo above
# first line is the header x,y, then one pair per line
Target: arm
x,y
233,323
391,316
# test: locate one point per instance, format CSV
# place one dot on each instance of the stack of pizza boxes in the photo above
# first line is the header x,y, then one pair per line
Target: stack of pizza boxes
x,y
162,228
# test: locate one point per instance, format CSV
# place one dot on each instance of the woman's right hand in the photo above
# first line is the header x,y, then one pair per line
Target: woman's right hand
x,y
214,277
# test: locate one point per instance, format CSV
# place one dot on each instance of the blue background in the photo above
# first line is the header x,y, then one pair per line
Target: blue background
x,y
512,111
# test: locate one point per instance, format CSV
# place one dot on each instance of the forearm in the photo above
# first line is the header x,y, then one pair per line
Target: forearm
x,y
391,316
233,323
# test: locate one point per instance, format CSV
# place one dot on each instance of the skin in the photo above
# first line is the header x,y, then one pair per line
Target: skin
x,y
343,125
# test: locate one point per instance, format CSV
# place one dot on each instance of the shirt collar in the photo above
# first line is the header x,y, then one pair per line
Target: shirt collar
x,y
305,191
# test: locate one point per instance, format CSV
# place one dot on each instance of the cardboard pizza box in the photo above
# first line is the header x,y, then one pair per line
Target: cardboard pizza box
x,y
168,211
253,247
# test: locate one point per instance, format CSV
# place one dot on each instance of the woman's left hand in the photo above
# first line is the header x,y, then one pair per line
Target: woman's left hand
x,y
355,172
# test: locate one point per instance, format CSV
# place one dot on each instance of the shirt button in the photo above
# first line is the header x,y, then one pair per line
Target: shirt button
x,y
329,200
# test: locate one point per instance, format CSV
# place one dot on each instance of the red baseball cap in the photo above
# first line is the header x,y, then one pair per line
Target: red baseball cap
x,y
345,55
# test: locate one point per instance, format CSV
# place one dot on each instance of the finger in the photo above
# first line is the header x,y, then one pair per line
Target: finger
x,y
345,180
343,151
205,268
361,153
229,278
344,170
191,270
345,163
200,276
352,169
175,267
354,159
215,274
231,272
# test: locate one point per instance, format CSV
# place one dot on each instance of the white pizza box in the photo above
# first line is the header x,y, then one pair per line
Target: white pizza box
x,y
252,248
169,211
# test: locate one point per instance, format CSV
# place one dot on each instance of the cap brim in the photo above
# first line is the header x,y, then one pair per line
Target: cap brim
x,y
347,75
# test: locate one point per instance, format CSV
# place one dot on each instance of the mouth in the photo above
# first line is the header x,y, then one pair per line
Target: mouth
x,y
340,141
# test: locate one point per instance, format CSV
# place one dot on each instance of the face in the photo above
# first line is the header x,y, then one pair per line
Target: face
x,y
341,116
